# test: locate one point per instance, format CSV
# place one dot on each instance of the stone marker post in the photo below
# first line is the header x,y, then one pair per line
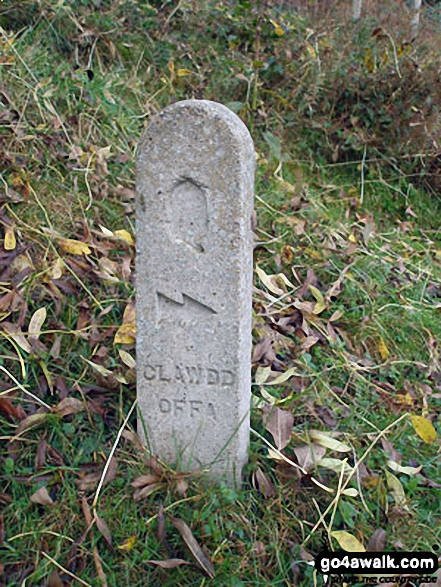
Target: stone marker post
x,y
195,176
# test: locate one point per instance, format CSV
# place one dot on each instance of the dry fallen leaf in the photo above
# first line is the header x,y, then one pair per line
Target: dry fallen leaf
x,y
127,358
9,243
125,236
31,421
279,424
144,492
42,497
198,554
104,529
36,322
377,542
263,483
405,470
89,481
308,455
17,336
144,480
394,484
347,541
170,563
67,406
74,247
128,543
126,333
424,428
328,441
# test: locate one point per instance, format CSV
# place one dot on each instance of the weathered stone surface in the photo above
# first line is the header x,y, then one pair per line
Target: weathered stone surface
x,y
195,175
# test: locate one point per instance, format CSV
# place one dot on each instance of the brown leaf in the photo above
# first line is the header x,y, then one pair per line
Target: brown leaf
x,y
5,499
104,529
181,487
198,554
160,532
263,351
309,342
279,424
377,541
308,454
144,480
139,494
311,279
391,452
67,406
263,484
16,334
55,580
40,457
42,497
31,421
170,563
90,481
8,409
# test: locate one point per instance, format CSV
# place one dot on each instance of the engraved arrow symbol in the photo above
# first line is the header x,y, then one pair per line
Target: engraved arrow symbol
x,y
185,307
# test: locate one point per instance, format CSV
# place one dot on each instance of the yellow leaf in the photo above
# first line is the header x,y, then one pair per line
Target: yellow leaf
x,y
321,304
56,271
125,236
368,61
424,428
129,313
277,28
74,247
128,544
183,72
382,349
313,254
348,542
395,486
36,323
9,243
127,359
352,238
125,334
312,52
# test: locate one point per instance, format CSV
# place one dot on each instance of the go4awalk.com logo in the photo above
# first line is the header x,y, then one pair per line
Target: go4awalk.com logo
x,y
378,567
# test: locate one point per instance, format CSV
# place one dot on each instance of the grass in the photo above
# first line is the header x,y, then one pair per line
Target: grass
x,y
362,230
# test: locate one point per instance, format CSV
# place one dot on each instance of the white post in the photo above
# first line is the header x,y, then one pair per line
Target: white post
x,y
356,9
415,21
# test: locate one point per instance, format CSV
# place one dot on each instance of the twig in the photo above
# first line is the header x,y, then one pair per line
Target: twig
x,y
290,462
36,398
54,562
352,473
362,175
112,452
